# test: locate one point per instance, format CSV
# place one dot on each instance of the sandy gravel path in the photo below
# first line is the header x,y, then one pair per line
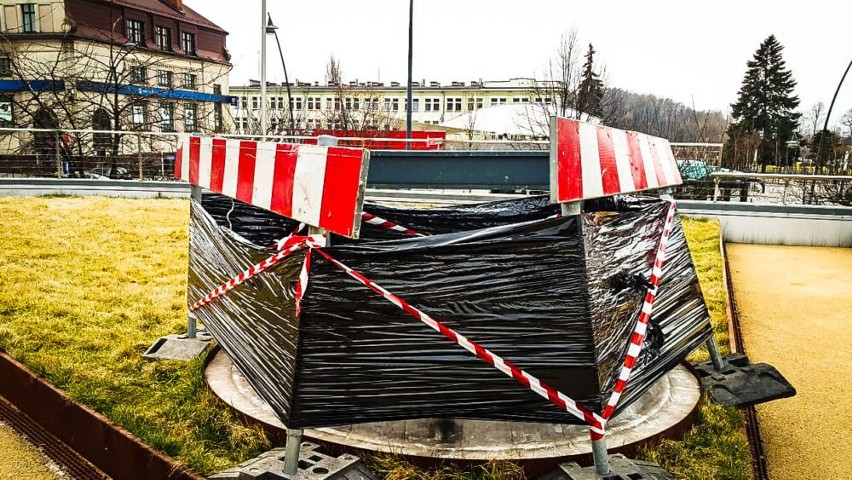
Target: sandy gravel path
x,y
19,460
795,308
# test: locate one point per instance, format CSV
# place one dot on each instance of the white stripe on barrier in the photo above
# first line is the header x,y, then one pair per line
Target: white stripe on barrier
x,y
648,161
264,171
232,166
308,183
591,161
205,161
622,160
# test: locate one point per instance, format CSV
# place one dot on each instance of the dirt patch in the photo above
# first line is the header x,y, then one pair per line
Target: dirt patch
x,y
19,459
794,305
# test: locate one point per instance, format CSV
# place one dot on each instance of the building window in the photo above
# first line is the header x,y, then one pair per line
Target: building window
x,y
190,118
167,117
28,12
188,43
433,105
498,101
454,104
138,115
138,75
521,100
391,104
255,103
164,78
313,103
164,38
135,31
415,105
190,81
296,104
5,67
474,103
243,103
353,103
371,104
7,117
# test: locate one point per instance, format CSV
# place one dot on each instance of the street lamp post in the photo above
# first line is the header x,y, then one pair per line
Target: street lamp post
x,y
271,28
263,105
410,52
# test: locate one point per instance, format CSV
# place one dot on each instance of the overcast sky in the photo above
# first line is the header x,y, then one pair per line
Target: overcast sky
x,y
685,50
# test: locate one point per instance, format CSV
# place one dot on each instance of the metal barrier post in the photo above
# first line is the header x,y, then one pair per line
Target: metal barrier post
x,y
715,356
191,327
139,153
600,456
58,155
292,449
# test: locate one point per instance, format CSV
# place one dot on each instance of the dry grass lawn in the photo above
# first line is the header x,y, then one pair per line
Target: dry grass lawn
x,y
87,284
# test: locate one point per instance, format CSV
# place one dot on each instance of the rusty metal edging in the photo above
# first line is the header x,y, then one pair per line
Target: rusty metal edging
x,y
759,466
115,451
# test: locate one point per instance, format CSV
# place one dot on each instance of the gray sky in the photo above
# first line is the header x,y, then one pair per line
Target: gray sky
x,y
688,51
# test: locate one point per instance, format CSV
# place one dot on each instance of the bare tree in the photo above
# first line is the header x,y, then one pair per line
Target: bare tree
x,y
813,118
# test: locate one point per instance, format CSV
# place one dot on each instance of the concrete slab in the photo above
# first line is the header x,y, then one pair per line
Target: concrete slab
x,y
667,404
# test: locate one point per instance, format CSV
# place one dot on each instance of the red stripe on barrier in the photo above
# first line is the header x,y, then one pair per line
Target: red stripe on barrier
x,y
340,192
609,169
245,173
637,166
569,167
217,165
286,157
194,156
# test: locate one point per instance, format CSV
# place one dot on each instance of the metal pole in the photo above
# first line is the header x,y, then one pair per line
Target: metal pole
x,y
139,153
408,99
291,452
715,356
600,457
286,81
263,107
58,156
191,328
827,116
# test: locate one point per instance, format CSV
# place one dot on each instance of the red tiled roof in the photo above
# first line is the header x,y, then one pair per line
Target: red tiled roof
x,y
161,7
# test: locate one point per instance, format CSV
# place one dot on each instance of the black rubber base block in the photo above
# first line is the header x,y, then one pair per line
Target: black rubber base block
x,y
741,383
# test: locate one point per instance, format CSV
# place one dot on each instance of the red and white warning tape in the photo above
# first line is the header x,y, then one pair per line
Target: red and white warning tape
x,y
638,336
254,270
554,396
280,243
381,222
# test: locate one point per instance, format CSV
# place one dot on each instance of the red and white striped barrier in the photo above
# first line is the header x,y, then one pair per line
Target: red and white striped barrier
x,y
321,186
638,336
381,222
590,161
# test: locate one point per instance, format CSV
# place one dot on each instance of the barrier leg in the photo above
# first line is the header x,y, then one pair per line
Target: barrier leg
x,y
291,454
715,356
600,456
191,327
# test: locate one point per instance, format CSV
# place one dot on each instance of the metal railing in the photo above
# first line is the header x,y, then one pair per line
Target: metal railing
x,y
786,189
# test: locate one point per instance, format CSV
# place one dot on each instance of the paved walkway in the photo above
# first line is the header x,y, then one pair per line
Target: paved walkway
x,y
18,459
795,308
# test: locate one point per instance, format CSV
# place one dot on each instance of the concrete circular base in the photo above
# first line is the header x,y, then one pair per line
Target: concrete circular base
x,y
667,405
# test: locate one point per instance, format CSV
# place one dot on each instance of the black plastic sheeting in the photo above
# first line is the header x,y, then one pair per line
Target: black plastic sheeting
x,y
557,297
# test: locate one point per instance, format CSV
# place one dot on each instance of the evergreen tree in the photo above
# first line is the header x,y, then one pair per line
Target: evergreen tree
x,y
591,90
765,104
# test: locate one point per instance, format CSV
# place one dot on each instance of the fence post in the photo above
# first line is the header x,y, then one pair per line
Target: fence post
x,y
58,155
139,153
